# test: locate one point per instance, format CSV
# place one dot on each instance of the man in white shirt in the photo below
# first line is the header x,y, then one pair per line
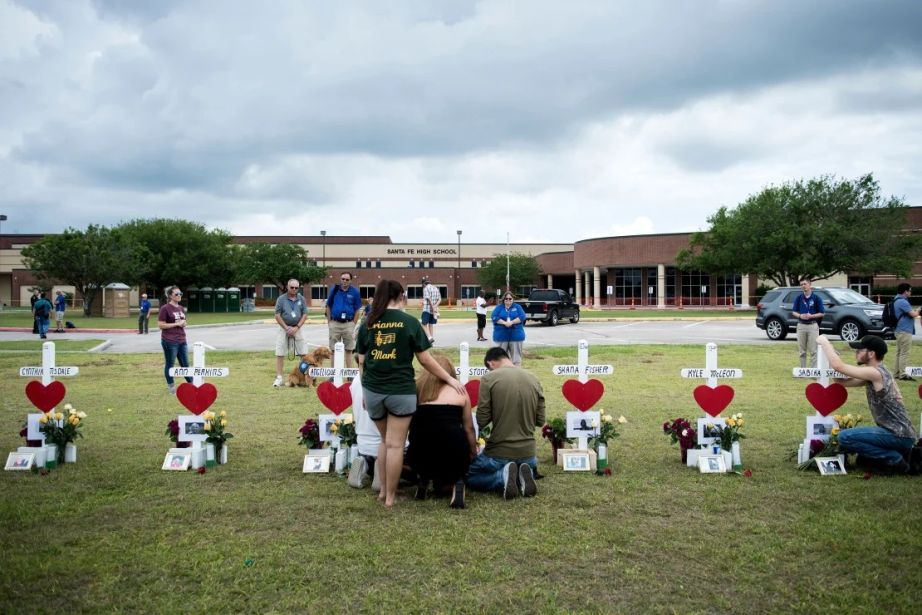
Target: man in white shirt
x,y
480,306
431,299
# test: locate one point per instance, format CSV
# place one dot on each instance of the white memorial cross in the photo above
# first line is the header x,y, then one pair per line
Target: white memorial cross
x,y
710,371
464,372
822,372
582,370
198,371
48,371
337,372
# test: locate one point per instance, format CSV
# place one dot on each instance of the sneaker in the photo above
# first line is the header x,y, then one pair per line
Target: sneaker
x,y
432,340
357,474
171,388
905,377
457,495
278,382
510,481
527,485
375,481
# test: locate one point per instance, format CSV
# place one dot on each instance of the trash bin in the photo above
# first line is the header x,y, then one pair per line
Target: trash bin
x,y
233,299
249,305
206,299
193,300
220,300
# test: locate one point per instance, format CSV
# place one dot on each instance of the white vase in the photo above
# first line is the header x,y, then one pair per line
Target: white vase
x,y
223,456
735,452
70,453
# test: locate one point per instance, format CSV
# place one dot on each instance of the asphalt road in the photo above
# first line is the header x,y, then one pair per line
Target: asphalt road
x,y
261,336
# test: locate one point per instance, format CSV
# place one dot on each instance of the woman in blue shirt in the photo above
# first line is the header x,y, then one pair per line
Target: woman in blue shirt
x,y
509,327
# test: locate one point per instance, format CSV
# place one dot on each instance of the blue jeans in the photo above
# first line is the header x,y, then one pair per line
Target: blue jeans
x,y
42,325
486,473
171,352
875,443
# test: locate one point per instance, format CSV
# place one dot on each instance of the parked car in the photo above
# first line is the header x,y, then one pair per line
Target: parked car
x,y
849,314
550,305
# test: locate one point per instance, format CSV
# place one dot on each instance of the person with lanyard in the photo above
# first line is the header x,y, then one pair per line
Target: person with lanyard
x,y
290,314
905,328
343,310
143,315
509,328
809,311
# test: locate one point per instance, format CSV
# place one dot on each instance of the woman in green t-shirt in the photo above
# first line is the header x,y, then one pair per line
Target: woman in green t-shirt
x,y
386,345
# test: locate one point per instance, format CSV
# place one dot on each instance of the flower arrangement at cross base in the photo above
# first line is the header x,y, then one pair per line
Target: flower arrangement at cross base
x,y
310,434
172,430
555,431
216,428
61,429
681,431
345,429
608,430
830,447
728,434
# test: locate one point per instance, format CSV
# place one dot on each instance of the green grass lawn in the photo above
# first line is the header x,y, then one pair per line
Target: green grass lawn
x,y
115,533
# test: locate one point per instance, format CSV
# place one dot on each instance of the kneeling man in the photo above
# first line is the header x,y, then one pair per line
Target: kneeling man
x,y
513,401
892,440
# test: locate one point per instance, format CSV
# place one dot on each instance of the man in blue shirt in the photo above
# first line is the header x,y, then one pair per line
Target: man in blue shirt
x,y
60,304
905,327
143,315
343,310
809,311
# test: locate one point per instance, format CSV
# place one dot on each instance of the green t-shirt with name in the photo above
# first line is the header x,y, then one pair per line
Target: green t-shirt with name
x,y
389,346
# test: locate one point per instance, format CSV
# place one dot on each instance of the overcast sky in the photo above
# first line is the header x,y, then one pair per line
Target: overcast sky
x,y
553,121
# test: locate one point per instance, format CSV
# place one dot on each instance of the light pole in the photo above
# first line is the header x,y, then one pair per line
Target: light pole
x,y
458,272
324,235
459,249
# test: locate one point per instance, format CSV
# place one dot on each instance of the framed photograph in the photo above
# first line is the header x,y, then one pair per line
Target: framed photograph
x,y
20,461
711,464
316,464
324,423
33,431
820,427
192,429
575,461
579,424
177,461
707,429
830,466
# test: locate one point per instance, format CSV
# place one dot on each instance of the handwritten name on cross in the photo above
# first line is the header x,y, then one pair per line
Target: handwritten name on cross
x,y
198,372
464,371
337,372
48,371
822,372
582,370
711,372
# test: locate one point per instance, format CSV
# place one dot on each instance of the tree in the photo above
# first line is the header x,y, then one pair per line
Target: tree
x,y
87,260
183,253
523,271
813,229
259,263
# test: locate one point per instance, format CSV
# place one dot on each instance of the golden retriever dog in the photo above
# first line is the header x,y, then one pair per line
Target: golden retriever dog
x,y
313,359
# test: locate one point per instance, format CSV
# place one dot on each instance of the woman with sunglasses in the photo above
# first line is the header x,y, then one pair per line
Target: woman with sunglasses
x,y
509,327
172,323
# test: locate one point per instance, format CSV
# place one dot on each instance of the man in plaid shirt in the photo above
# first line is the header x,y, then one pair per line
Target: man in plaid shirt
x,y
431,299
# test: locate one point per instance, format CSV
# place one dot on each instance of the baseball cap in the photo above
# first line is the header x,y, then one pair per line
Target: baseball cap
x,y
425,280
871,342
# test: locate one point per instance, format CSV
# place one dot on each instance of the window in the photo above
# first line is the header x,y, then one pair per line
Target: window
x,y
247,292
695,288
319,292
358,264
412,264
860,285
270,292
414,291
368,264
366,291
431,264
671,275
729,289
652,284
474,264
469,292
628,287
377,264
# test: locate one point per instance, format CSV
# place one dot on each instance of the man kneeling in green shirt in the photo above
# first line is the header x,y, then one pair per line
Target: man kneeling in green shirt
x,y
513,401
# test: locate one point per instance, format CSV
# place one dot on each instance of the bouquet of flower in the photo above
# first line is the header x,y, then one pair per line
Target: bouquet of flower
x,y
830,448
216,428
607,429
555,430
310,434
730,433
345,429
172,430
60,429
681,431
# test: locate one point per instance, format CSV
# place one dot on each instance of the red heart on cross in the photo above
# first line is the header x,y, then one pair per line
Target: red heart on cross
x,y
583,396
920,391
44,397
713,400
336,398
826,400
196,399
473,390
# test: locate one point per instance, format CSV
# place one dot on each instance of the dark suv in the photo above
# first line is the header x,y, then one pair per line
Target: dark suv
x,y
848,314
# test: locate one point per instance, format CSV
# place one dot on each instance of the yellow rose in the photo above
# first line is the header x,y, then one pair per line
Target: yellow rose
x,y
209,415
622,420
348,421
73,421
607,419
223,422
207,426
71,411
835,431
223,413
59,415
68,407
730,422
334,428
44,419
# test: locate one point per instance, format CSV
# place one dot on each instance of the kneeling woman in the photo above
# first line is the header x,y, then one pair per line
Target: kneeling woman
x,y
385,347
442,442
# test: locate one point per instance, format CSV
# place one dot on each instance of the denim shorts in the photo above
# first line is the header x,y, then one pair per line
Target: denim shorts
x,y
429,319
379,405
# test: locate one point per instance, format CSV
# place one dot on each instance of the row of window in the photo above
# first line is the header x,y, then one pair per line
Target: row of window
x,y
639,285
414,291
